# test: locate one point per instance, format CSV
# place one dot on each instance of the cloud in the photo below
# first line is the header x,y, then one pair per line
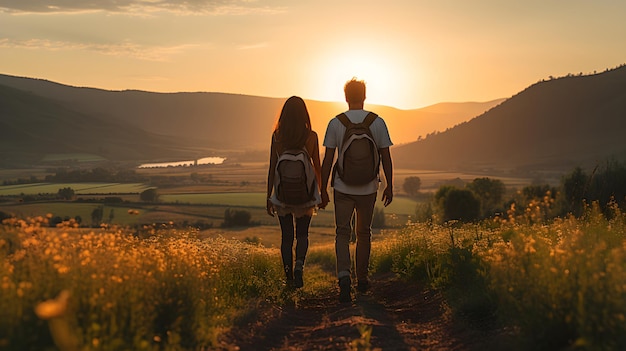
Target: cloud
x,y
253,46
214,7
125,49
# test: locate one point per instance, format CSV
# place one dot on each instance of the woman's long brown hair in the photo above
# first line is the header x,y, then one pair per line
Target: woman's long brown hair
x,y
294,124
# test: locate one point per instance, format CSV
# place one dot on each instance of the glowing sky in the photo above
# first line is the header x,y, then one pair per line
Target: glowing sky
x,y
412,53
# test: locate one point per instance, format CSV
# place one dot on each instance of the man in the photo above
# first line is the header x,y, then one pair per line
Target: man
x,y
349,198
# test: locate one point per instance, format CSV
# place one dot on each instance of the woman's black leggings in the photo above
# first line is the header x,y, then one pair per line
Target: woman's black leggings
x,y
287,226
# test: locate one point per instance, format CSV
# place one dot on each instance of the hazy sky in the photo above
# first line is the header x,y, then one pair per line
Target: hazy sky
x,y
412,53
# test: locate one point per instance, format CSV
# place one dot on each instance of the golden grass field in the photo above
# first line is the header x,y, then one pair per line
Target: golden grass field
x,y
545,284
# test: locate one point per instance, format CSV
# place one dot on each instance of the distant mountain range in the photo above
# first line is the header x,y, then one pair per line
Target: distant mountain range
x,y
553,125
39,117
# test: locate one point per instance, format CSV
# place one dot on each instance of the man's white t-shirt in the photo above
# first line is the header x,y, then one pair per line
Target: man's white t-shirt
x,y
334,140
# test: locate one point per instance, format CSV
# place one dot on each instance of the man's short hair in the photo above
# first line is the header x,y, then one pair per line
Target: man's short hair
x,y
354,90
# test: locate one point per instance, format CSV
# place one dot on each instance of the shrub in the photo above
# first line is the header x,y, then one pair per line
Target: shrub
x,y
236,218
149,195
96,216
489,192
412,185
54,221
66,193
457,204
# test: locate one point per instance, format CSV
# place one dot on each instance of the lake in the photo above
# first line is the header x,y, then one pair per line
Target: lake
x,y
202,161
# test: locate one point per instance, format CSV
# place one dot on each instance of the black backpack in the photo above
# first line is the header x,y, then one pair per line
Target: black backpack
x,y
358,160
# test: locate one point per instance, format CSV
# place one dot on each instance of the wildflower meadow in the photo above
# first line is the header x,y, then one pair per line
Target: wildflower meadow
x,y
554,284
111,290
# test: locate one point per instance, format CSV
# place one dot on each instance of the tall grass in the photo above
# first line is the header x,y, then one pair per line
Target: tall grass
x,y
560,283
169,291
564,283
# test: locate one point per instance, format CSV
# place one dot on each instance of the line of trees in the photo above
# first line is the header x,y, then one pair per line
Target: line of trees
x,y
103,175
485,197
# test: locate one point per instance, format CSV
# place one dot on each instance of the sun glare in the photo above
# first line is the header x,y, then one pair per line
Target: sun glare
x,y
383,76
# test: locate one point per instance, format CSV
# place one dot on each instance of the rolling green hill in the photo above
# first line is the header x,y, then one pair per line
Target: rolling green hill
x,y
552,125
32,127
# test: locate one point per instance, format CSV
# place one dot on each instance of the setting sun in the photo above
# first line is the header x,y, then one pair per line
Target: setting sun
x,y
381,71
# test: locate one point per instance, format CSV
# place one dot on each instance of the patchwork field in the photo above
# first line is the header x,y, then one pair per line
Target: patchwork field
x,y
79,188
199,194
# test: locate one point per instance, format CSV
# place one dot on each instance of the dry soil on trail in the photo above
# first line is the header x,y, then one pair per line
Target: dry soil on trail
x,y
398,316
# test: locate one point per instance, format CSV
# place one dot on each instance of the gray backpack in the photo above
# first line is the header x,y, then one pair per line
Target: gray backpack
x,y
295,178
358,160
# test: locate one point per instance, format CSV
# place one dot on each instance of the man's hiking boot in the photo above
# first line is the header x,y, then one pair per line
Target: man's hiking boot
x,y
297,278
363,286
344,290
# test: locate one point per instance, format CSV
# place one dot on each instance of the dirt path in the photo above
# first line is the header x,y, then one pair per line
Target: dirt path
x,y
399,317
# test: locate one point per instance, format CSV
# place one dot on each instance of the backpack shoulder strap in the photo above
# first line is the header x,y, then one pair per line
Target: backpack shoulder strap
x,y
370,118
343,118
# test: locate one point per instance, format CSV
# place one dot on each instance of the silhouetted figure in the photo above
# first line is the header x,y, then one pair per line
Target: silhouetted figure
x,y
291,195
362,140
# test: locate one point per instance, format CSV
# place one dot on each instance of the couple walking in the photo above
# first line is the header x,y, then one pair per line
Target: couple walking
x,y
350,196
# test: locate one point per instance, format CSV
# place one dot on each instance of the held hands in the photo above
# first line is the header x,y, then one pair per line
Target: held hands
x,y
325,200
387,196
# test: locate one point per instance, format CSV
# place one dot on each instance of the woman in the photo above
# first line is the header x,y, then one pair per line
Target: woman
x,y
293,131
